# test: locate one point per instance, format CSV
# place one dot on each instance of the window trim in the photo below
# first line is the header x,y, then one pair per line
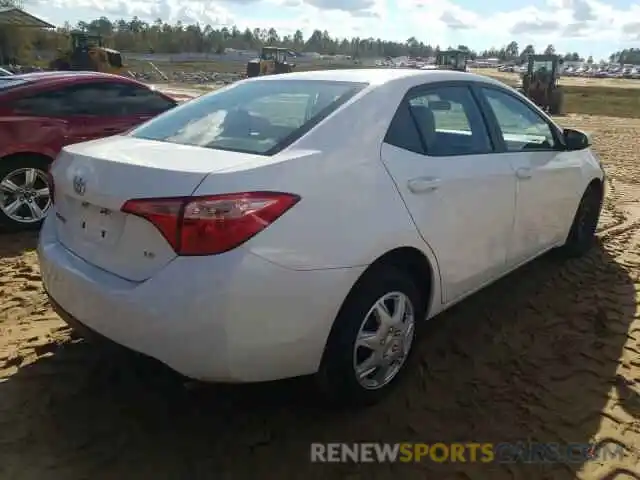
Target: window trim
x,y
424,89
495,124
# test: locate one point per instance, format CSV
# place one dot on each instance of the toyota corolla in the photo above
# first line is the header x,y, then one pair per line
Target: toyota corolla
x,y
305,223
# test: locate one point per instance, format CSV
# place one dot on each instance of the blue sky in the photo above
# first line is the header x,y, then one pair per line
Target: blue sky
x,y
590,27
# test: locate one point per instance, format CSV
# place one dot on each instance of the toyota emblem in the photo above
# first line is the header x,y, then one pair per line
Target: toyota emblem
x,y
79,185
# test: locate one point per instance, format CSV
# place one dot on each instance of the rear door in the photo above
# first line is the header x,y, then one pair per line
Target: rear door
x,y
460,195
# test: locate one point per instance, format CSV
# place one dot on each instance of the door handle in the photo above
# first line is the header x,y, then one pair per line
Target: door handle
x,y
111,130
423,184
523,173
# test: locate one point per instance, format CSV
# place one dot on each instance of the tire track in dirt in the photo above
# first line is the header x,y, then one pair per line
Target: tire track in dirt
x,y
550,353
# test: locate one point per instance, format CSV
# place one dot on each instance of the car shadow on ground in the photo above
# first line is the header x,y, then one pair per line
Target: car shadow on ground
x,y
533,357
14,244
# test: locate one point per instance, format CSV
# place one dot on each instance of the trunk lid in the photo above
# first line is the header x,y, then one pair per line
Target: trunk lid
x,y
94,179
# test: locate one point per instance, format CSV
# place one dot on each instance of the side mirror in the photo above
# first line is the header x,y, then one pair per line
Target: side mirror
x,y
576,140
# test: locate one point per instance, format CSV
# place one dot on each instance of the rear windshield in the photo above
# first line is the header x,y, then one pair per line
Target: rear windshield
x,y
260,117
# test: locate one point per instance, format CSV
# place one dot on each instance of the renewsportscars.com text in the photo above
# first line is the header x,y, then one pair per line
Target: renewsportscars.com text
x,y
518,452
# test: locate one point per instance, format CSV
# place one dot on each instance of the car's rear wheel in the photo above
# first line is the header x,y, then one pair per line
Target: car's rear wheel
x,y
585,222
24,193
371,338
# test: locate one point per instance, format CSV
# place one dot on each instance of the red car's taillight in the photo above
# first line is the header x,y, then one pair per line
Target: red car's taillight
x,y
211,224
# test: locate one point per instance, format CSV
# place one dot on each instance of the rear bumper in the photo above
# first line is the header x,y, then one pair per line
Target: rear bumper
x,y
232,318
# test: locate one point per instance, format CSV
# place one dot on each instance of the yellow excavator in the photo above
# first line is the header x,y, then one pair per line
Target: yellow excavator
x,y
87,53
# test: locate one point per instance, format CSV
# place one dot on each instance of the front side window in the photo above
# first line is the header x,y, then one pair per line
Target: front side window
x,y
259,117
521,127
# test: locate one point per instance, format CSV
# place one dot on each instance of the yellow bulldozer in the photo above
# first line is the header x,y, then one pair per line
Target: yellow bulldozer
x,y
272,60
87,53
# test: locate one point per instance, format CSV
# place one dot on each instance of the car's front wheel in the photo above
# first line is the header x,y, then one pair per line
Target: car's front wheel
x,y
585,222
371,338
24,193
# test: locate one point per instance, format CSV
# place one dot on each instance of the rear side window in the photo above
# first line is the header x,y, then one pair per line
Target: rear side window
x,y
260,117
137,100
402,132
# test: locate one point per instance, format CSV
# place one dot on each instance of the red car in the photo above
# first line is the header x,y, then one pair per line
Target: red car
x,y
42,112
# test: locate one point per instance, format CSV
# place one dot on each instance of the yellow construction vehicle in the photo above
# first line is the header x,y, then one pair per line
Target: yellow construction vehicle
x,y
87,53
540,82
273,60
452,60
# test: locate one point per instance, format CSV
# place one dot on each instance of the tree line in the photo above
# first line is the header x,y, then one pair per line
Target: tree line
x,y
136,35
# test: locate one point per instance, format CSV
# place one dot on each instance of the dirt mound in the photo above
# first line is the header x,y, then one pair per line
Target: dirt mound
x,y
550,353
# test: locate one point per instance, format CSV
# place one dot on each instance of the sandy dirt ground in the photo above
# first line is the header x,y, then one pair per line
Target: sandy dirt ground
x,y
550,353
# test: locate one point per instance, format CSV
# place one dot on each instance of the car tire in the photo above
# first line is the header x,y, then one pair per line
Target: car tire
x,y
337,378
585,222
15,170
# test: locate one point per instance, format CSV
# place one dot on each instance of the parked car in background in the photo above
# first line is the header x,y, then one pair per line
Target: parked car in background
x,y
306,223
42,112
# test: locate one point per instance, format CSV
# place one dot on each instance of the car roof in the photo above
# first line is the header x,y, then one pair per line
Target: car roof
x,y
381,76
54,76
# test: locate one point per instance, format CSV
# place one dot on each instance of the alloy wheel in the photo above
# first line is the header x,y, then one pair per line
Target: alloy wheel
x,y
24,195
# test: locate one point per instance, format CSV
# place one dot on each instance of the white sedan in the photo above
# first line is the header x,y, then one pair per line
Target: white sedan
x,y
304,223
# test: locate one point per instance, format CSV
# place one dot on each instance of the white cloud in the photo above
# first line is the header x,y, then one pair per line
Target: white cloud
x,y
440,22
187,11
561,20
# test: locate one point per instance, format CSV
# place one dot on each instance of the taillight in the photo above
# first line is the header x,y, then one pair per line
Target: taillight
x,y
211,224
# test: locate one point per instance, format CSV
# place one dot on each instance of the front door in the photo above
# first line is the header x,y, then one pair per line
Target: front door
x,y
460,194
547,177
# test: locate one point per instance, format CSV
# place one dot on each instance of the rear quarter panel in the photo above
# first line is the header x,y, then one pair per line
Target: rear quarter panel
x,y
31,134
350,212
